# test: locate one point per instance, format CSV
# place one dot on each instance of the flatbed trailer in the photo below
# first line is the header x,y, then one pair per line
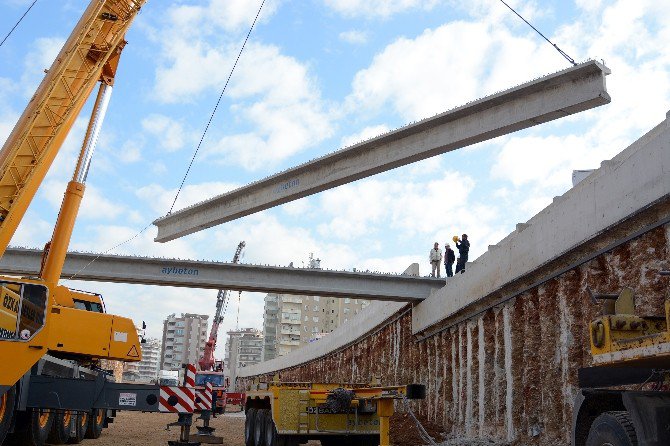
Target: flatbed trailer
x,y
288,414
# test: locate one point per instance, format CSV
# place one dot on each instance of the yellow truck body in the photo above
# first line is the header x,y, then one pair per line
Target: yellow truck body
x,y
296,412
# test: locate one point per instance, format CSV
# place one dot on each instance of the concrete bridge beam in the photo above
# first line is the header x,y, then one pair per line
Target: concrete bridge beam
x,y
551,97
238,277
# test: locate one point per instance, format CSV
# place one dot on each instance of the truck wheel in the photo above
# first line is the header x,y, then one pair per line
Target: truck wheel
x,y
6,412
81,426
249,427
33,429
271,435
60,429
96,421
259,427
612,429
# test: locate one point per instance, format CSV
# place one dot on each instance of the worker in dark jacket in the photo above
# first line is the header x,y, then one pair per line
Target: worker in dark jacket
x,y
463,247
449,259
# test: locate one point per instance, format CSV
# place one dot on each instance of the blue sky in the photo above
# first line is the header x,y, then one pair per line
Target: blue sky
x,y
317,75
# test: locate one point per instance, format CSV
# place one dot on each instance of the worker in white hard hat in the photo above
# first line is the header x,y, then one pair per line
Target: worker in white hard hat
x,y
435,258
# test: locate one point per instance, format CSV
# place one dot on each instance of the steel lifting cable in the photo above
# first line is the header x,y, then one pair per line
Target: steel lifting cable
x,y
18,22
562,53
188,170
211,118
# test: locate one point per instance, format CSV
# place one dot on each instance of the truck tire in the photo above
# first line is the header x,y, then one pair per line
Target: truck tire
x,y
96,422
81,425
271,435
60,429
612,429
6,412
249,427
32,429
259,427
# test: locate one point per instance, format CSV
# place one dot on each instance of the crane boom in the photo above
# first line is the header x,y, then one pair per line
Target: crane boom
x,y
58,327
90,54
206,362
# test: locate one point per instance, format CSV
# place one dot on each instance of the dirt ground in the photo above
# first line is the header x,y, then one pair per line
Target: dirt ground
x,y
138,429
148,429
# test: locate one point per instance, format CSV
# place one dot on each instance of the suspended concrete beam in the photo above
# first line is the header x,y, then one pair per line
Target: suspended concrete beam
x,y
238,277
551,97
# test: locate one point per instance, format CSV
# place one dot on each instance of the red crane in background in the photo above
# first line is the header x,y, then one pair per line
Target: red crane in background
x,y
207,362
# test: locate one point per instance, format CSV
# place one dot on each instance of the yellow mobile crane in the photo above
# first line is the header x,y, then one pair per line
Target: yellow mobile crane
x,y
38,317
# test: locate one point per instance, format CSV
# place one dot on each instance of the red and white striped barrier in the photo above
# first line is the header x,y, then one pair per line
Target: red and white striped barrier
x,y
203,398
189,377
176,399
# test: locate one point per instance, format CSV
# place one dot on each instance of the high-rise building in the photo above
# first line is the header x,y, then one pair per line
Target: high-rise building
x,y
149,365
184,339
290,322
145,371
270,318
243,348
304,319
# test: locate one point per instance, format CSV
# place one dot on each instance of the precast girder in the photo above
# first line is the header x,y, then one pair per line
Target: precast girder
x,y
215,275
551,97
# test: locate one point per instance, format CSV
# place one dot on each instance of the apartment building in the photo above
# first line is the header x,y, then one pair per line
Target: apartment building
x,y
243,348
151,356
184,340
270,319
290,322
304,319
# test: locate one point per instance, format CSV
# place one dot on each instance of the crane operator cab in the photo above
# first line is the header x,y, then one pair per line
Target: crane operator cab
x,y
78,327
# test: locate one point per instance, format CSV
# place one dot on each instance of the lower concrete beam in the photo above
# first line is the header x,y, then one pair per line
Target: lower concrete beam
x,y
238,277
551,97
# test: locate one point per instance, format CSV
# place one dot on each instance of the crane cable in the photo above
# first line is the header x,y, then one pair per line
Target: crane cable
x,y
563,53
17,23
188,170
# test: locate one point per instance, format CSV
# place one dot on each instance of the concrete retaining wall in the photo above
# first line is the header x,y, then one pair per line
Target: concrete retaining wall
x,y
510,374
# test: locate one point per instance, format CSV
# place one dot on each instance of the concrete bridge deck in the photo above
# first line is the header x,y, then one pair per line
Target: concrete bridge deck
x,y
551,97
217,275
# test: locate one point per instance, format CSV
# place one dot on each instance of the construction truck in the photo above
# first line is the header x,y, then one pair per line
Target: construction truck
x,y
168,377
288,414
53,339
624,398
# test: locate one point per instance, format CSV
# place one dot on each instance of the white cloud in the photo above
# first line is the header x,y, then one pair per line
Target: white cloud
x,y
273,95
417,207
160,199
131,152
377,8
282,102
93,206
447,67
40,58
170,133
354,36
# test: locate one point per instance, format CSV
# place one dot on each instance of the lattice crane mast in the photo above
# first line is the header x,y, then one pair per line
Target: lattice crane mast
x,y
207,361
